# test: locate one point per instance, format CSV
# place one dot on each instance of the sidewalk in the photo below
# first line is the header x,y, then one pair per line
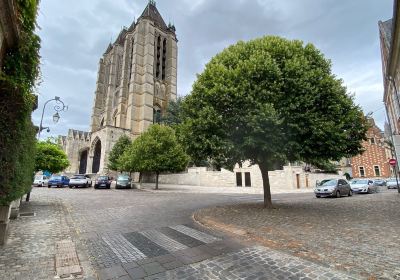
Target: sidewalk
x,y
201,189
37,239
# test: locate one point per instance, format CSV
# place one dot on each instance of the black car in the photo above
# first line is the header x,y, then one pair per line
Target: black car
x,y
123,182
103,182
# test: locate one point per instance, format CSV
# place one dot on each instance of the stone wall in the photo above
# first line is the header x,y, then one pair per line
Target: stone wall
x,y
290,178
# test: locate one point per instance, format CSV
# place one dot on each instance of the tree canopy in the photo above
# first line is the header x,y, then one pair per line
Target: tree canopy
x,y
270,101
156,150
118,149
173,115
50,157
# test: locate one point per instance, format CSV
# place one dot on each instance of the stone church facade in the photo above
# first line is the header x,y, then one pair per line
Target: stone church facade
x,y
137,76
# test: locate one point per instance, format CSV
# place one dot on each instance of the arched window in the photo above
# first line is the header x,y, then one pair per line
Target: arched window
x,y
102,122
115,118
156,114
158,57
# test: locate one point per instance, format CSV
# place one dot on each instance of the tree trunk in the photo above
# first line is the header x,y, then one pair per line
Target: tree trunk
x,y
266,186
157,173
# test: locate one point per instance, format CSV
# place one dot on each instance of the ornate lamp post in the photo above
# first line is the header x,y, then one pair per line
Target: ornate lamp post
x,y
60,106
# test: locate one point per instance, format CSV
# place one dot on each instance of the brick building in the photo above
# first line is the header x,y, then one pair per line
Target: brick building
x,y
374,162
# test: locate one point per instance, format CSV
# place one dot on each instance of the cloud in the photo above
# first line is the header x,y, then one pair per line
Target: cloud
x,y
76,33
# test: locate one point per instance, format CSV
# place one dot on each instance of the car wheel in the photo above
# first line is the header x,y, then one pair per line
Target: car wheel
x,y
350,193
369,190
338,194
70,187
317,196
49,186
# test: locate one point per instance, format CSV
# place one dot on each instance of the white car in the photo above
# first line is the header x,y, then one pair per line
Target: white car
x,y
80,180
41,181
363,186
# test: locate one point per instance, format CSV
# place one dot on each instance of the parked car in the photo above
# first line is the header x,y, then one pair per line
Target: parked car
x,y
80,181
380,182
40,181
59,181
392,183
333,188
103,182
123,182
363,186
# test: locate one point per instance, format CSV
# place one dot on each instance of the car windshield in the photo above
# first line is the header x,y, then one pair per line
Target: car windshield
x,y
392,180
123,177
359,182
55,178
78,177
103,178
329,183
38,177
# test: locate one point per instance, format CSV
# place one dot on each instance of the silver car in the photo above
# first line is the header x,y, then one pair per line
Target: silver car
x,y
333,188
392,183
363,186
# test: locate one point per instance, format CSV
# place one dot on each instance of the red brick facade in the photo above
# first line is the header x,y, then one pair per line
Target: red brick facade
x,y
374,162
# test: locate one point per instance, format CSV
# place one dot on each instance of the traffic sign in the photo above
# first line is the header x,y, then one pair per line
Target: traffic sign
x,y
392,162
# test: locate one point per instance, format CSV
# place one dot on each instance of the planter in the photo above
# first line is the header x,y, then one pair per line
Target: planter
x,y
15,209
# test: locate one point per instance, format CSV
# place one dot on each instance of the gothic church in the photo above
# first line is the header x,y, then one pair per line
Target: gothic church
x,y
137,77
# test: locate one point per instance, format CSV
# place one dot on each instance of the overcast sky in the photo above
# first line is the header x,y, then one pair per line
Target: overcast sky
x,y
75,33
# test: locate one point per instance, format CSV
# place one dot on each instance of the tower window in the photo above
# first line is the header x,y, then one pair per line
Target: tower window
x,y
164,58
131,59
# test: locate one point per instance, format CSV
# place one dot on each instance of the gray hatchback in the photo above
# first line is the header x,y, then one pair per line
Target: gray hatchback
x,y
333,188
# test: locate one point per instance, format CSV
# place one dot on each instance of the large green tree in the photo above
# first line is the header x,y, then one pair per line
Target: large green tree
x,y
118,149
173,115
50,157
270,101
156,150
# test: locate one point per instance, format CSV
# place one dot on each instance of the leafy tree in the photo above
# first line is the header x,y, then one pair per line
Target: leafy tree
x,y
156,150
50,157
270,101
118,149
173,115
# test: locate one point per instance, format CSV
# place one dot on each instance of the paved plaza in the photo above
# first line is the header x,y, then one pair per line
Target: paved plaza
x,y
131,234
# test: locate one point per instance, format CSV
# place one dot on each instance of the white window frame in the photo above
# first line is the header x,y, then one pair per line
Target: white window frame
x,y
359,171
379,169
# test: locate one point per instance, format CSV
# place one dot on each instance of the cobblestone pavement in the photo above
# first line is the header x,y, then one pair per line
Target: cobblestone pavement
x,y
31,247
128,234
356,234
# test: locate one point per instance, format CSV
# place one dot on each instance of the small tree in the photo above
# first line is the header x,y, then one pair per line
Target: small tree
x,y
270,101
156,150
50,157
118,149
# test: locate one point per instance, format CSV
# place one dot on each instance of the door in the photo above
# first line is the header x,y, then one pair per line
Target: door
x,y
239,179
247,179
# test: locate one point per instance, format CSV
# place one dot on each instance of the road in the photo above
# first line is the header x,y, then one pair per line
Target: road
x,y
133,234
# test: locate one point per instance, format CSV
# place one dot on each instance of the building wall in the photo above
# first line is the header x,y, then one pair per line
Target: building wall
x,y
376,154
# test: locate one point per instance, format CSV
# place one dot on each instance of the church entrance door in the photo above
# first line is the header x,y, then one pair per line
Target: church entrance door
x,y
83,162
96,157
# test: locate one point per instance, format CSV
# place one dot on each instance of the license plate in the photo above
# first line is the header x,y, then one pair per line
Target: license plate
x,y
103,185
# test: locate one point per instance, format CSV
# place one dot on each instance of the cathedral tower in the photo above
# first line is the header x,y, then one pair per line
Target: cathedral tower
x,y
137,76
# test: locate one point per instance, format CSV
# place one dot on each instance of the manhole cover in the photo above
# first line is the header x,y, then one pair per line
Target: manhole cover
x,y
27,214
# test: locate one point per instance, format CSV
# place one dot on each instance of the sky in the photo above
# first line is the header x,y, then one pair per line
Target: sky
x,y
76,33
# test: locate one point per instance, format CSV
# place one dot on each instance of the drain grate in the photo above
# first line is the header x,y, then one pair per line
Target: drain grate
x,y
27,214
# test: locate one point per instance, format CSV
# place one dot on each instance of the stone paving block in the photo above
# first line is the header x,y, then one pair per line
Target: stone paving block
x,y
137,273
130,265
165,259
153,268
172,265
112,272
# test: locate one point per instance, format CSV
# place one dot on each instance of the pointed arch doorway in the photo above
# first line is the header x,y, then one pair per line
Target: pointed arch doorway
x,y
83,161
96,157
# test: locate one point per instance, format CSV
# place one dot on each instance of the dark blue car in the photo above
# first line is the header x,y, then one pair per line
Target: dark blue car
x,y
58,181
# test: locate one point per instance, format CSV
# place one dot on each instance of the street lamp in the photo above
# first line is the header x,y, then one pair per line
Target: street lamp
x,y
60,106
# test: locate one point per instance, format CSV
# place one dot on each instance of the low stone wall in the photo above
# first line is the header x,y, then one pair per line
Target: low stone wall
x,y
290,178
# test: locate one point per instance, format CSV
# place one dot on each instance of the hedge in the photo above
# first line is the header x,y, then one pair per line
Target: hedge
x,y
18,78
